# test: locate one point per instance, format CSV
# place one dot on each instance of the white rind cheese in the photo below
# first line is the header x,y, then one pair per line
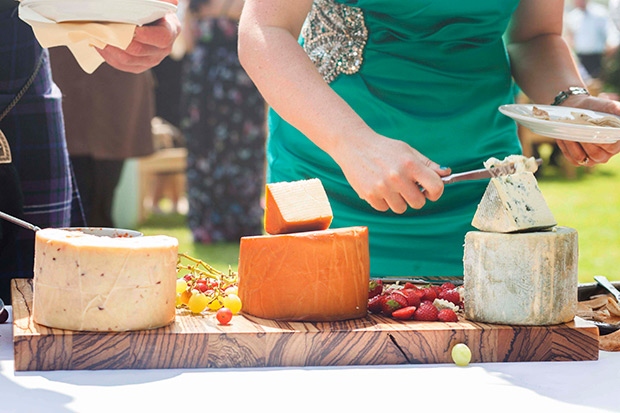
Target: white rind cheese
x,y
513,203
91,283
523,279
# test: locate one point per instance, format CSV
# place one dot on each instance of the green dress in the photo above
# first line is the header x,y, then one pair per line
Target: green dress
x,y
431,73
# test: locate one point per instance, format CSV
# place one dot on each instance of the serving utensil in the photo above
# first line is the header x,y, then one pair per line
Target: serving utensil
x,y
483,173
19,222
605,283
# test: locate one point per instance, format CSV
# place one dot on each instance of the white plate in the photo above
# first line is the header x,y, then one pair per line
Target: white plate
x,y
137,12
522,113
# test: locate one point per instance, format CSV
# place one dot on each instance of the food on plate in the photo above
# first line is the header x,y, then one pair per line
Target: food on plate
x,y
306,276
605,309
461,355
203,287
521,278
95,283
296,206
513,203
578,118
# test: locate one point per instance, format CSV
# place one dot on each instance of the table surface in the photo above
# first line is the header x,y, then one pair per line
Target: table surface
x,y
542,386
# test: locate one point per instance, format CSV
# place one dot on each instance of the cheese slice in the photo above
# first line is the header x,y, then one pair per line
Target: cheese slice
x,y
525,278
309,276
513,203
296,206
92,283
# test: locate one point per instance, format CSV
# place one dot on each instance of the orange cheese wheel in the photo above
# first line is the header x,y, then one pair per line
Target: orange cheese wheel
x,y
296,206
309,276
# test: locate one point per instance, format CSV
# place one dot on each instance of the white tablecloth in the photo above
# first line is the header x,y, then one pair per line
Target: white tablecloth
x,y
502,387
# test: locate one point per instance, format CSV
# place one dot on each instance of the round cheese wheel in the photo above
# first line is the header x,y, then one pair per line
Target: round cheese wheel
x,y
92,283
522,278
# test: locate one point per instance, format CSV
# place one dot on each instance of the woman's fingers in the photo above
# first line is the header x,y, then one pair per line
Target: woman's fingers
x,y
573,152
595,153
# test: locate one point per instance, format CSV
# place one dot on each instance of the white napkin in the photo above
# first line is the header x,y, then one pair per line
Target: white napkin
x,y
80,37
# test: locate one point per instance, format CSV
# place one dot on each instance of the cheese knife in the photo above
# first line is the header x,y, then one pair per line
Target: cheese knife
x,y
604,282
18,221
483,173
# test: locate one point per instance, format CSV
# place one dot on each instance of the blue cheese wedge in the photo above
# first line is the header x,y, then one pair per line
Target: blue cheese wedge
x,y
513,203
527,278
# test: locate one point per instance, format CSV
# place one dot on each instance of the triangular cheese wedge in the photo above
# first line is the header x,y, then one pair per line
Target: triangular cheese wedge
x,y
513,203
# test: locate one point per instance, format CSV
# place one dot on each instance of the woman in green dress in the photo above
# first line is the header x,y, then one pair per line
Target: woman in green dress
x,y
377,97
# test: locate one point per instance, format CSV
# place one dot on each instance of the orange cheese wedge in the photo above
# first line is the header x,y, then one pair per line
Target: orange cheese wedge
x,y
296,206
308,276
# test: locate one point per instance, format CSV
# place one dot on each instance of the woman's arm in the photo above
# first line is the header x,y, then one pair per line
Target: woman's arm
x,y
542,66
382,171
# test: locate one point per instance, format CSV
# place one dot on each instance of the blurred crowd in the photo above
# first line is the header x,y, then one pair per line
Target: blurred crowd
x,y
207,104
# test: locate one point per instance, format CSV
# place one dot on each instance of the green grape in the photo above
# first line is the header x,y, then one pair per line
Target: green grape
x,y
197,303
181,285
178,302
461,354
232,302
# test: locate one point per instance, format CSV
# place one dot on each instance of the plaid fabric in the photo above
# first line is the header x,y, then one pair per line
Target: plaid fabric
x,y
35,132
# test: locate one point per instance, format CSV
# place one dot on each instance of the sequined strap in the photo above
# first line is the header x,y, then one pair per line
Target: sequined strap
x,y
334,38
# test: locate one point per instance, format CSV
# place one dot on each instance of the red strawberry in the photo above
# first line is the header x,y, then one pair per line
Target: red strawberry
x,y
451,295
426,312
375,305
394,301
447,315
448,286
409,286
375,288
437,289
405,313
413,299
429,294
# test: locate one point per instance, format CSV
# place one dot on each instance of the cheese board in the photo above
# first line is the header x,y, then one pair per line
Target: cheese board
x,y
200,342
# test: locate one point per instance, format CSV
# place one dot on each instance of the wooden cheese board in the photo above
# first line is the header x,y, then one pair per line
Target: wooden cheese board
x,y
200,342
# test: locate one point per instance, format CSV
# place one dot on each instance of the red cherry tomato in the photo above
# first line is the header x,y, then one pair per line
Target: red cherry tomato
x,y
224,315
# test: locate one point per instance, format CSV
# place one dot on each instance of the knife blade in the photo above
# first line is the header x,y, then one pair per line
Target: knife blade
x,y
604,282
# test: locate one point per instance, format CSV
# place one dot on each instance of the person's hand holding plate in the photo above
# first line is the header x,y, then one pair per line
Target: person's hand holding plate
x,y
590,154
151,44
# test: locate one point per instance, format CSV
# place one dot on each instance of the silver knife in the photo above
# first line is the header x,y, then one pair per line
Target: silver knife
x,y
603,281
478,174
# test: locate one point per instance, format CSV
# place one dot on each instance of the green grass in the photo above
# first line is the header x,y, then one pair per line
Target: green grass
x,y
590,203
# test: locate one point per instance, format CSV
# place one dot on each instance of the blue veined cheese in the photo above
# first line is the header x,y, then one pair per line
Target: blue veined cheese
x,y
513,203
524,279
91,283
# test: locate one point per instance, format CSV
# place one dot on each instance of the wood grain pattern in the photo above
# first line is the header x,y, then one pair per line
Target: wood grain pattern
x,y
199,342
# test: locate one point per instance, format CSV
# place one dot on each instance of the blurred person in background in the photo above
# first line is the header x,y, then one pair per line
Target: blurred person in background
x,y
588,27
35,175
223,127
107,120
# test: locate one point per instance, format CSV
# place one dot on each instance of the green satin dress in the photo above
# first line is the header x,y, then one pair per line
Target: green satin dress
x,y
431,73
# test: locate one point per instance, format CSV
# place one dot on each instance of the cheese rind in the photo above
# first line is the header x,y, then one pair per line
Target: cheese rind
x,y
90,283
513,203
523,279
311,276
296,206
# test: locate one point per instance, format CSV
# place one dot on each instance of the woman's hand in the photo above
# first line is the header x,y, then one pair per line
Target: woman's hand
x,y
150,45
385,173
590,154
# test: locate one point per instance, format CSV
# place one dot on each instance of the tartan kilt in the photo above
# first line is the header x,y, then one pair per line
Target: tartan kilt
x,y
35,133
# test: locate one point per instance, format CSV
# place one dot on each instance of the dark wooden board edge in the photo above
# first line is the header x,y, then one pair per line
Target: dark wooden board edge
x,y
158,349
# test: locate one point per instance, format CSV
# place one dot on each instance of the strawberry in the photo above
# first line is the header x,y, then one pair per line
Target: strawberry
x,y
447,315
451,295
437,289
429,294
375,288
409,286
426,312
405,313
448,286
375,305
413,299
394,301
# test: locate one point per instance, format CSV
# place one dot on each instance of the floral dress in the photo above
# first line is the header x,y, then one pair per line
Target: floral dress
x,y
224,125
